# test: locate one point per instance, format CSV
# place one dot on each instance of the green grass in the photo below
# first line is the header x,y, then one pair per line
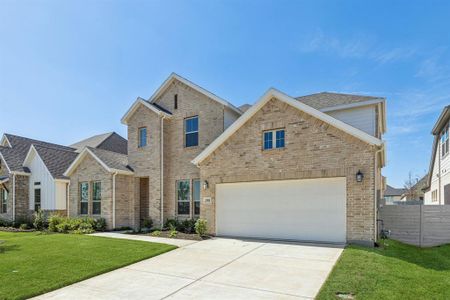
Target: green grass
x,y
393,271
35,263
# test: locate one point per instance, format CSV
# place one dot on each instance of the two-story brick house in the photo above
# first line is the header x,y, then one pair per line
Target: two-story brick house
x,y
306,168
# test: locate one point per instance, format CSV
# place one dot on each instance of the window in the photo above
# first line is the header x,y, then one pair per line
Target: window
x,y
96,198
84,198
175,101
273,138
434,196
196,196
142,137
191,132
37,183
183,197
445,142
3,201
37,199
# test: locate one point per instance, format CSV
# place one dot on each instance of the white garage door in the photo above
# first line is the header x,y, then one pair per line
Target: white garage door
x,y
307,210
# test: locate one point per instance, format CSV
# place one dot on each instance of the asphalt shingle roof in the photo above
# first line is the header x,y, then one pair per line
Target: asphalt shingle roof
x,y
327,99
56,160
392,191
113,160
20,146
107,141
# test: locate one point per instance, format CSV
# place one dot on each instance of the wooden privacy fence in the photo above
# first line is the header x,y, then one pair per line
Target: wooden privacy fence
x,y
420,225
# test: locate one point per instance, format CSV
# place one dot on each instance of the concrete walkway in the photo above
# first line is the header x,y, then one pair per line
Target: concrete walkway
x,y
216,269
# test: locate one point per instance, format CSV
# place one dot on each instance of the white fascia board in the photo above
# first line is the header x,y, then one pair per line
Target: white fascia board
x,y
121,172
139,101
352,105
28,156
273,93
5,141
62,180
4,161
194,86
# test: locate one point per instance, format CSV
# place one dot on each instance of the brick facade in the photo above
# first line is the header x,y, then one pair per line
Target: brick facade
x,y
177,158
313,149
89,170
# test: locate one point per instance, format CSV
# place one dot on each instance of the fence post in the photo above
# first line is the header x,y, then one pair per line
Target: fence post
x,y
421,226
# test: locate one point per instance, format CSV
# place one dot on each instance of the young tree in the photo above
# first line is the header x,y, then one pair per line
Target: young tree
x,y
410,186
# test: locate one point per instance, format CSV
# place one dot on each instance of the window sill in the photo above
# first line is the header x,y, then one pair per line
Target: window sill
x,y
191,147
273,150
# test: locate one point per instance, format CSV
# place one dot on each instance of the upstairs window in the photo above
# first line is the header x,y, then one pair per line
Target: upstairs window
x,y
445,142
191,132
175,101
142,138
274,139
96,198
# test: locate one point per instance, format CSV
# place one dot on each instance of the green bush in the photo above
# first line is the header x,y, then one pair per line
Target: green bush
x,y
173,233
85,228
187,226
63,227
201,227
147,223
23,226
156,233
54,220
5,223
100,224
23,220
39,220
172,223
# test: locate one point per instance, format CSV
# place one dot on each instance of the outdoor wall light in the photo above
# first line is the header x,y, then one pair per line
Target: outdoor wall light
x,y
205,184
359,176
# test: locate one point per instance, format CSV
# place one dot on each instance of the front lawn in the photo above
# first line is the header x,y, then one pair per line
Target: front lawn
x,y
393,271
35,263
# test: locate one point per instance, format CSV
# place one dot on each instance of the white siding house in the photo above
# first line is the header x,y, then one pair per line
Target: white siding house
x,y
438,192
49,188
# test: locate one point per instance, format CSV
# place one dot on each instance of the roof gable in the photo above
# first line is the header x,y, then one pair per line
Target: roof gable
x,y
112,162
108,141
141,102
273,93
192,85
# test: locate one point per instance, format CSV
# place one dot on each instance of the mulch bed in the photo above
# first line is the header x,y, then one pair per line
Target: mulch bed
x,y
180,235
13,229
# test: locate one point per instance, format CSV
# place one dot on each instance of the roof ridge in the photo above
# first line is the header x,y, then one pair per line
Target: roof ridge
x,y
104,150
54,148
35,141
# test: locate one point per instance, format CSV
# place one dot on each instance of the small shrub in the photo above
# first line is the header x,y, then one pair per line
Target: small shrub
x,y
147,223
39,220
23,226
173,233
156,233
5,223
63,227
54,220
201,227
172,227
85,228
100,224
22,220
187,226
172,223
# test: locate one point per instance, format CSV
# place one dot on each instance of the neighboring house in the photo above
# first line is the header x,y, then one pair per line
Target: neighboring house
x,y
15,177
110,141
300,169
416,192
32,174
392,195
438,182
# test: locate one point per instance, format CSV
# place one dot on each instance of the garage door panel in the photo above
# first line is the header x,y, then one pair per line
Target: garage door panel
x,y
312,209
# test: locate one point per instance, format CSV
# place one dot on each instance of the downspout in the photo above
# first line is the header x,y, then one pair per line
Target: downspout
x,y
162,171
114,199
14,198
376,188
68,199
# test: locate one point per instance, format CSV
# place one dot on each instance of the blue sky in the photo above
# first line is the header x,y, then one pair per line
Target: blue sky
x,y
71,69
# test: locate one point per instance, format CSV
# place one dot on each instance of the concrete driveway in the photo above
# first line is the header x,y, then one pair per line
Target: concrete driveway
x,y
216,269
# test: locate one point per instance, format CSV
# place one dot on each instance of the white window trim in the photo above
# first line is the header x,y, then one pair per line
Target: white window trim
x,y
196,200
190,132
274,139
